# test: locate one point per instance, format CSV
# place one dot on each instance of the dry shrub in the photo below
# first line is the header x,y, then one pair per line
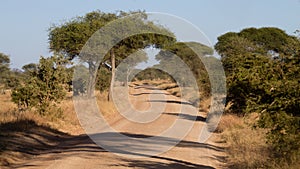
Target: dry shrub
x,y
229,122
246,147
65,120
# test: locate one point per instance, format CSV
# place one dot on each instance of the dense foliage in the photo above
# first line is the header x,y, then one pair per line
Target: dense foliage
x,y
69,38
194,62
152,74
8,78
45,87
262,68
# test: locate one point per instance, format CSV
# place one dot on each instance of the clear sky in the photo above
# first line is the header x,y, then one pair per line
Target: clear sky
x,y
24,23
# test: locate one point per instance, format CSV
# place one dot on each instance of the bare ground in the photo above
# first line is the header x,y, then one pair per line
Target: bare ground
x,y
41,147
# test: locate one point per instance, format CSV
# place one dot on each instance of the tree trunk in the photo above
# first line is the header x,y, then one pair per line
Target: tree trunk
x,y
92,80
113,67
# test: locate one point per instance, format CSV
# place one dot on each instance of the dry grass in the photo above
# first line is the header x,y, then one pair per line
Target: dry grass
x,y
68,122
65,121
9,111
107,108
5,102
175,91
156,82
246,147
16,124
167,86
186,93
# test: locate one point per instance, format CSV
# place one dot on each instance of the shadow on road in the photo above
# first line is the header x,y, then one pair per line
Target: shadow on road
x,y
187,116
31,140
176,164
147,87
139,94
171,101
24,139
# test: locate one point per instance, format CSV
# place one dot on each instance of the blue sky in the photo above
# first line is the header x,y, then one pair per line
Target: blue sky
x,y
24,24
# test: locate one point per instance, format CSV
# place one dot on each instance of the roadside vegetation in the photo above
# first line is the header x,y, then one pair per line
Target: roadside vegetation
x,y
262,70
261,123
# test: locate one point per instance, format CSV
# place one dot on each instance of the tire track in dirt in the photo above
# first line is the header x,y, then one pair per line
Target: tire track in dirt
x,y
80,152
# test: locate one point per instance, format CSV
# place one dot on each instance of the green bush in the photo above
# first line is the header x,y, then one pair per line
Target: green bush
x,y
45,88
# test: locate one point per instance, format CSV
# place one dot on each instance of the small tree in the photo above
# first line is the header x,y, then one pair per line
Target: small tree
x,y
30,69
45,88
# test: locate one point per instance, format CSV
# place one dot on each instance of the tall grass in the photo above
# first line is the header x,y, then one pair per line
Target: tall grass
x,y
65,120
9,111
106,107
247,147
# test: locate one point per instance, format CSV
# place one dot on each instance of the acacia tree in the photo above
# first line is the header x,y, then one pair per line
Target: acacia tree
x,y
69,38
30,69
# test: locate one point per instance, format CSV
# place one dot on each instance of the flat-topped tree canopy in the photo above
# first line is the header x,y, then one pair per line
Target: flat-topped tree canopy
x,y
263,41
98,37
69,38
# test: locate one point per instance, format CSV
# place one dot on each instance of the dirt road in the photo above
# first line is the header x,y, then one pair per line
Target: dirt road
x,y
143,139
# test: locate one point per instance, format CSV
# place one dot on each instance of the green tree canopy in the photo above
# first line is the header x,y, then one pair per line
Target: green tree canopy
x,y
30,69
262,68
4,62
8,78
188,52
70,37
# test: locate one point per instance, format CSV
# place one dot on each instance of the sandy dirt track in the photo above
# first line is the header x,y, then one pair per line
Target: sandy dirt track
x,y
80,152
